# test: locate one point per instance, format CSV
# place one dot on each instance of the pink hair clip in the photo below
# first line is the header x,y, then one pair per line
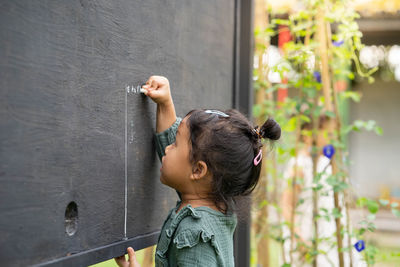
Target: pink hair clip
x,y
258,158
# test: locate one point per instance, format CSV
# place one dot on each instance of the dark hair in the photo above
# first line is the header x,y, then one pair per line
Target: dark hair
x,y
228,145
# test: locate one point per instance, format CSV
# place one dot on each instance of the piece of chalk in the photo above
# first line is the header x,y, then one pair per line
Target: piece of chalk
x,y
142,90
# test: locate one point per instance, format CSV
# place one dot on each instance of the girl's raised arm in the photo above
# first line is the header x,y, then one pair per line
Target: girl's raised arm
x,y
158,90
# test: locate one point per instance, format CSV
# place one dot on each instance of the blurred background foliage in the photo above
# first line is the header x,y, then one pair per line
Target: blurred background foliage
x,y
308,54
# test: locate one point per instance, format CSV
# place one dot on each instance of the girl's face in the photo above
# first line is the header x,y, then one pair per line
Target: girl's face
x,y
176,166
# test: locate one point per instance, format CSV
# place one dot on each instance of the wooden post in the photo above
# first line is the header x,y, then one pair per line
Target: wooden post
x,y
261,223
294,188
340,155
277,185
314,156
326,86
148,256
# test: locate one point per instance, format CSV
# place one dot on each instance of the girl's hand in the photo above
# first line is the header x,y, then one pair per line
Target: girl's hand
x,y
122,262
158,90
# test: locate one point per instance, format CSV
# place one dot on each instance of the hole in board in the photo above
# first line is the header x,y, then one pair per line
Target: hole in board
x,y
71,218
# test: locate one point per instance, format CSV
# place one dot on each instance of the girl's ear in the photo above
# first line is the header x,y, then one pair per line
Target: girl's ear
x,y
199,170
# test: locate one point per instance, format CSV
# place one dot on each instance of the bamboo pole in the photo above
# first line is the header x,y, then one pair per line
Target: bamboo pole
x,y
148,256
261,223
294,189
277,193
345,195
340,156
314,157
326,86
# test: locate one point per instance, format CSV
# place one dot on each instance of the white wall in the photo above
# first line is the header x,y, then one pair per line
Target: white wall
x,y
376,158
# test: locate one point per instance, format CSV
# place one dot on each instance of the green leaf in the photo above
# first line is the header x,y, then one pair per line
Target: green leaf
x,y
371,227
263,204
370,125
281,22
291,125
372,206
361,231
336,183
305,118
379,130
324,210
257,109
338,144
336,213
280,150
371,217
361,202
301,201
353,95
384,202
347,129
350,75
396,212
371,79
306,133
340,187
330,114
359,124
318,187
331,180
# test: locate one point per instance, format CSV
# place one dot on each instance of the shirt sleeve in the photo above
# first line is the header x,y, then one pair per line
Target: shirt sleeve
x,y
166,138
202,254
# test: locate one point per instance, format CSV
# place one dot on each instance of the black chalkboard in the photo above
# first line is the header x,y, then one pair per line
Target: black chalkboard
x,y
76,138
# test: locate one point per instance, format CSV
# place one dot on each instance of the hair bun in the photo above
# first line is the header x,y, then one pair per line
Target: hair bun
x,y
270,129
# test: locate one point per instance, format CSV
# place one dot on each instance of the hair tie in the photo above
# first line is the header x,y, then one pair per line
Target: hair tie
x,y
258,158
257,132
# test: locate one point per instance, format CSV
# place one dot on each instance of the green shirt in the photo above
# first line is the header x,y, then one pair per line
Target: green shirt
x,y
194,236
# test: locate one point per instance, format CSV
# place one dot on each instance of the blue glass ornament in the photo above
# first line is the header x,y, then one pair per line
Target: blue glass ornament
x,y
317,76
360,245
328,151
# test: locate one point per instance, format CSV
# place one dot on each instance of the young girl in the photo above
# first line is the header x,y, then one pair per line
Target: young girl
x,y
209,158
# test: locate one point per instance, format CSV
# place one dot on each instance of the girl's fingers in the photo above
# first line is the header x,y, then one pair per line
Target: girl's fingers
x,y
153,93
121,261
154,84
132,258
151,86
149,81
157,88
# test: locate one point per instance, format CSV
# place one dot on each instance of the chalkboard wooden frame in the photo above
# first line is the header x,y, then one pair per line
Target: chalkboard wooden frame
x,y
243,101
103,253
